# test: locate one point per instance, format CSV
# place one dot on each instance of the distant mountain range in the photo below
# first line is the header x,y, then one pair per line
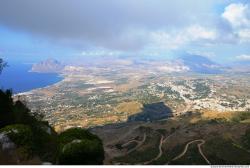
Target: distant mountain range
x,y
192,63
200,64
241,66
184,63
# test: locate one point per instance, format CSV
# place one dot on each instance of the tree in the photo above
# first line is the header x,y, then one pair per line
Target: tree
x,y
2,65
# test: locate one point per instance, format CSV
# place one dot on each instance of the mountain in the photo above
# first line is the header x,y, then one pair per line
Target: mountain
x,y
48,66
200,64
241,66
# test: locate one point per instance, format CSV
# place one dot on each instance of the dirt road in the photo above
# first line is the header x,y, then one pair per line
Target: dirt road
x,y
139,143
160,152
163,140
199,147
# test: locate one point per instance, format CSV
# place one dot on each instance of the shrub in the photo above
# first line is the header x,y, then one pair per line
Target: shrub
x,y
79,146
22,137
19,134
46,142
240,116
246,139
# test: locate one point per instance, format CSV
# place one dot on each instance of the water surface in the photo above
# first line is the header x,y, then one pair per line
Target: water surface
x,y
18,78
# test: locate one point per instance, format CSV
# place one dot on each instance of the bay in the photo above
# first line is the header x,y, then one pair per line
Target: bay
x,y
18,78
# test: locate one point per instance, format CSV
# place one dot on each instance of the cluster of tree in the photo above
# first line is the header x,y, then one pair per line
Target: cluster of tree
x,y
34,138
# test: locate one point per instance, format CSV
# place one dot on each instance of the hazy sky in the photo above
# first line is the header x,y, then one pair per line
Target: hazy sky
x,y
34,30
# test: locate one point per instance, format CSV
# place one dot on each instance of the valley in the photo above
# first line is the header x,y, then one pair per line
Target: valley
x,y
125,82
104,94
146,116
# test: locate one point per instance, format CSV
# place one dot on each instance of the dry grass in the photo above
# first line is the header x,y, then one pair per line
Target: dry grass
x,y
194,120
247,121
129,107
209,114
125,87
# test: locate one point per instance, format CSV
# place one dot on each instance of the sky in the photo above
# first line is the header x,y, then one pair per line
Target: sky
x,y
31,30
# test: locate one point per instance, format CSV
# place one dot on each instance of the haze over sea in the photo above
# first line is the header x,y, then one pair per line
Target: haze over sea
x,y
18,78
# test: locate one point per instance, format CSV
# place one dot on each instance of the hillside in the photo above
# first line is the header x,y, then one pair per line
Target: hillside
x,y
26,139
191,139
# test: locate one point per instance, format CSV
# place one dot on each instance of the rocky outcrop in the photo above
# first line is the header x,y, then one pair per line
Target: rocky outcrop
x,y
48,66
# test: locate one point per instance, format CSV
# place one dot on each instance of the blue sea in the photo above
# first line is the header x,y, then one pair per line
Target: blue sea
x,y
18,78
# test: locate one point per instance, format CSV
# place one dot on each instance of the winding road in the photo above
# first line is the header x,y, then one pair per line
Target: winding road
x,y
160,152
139,143
199,147
163,140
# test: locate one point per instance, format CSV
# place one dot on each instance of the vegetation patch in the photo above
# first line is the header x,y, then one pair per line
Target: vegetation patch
x,y
79,146
246,139
22,138
146,152
33,139
241,116
223,151
191,157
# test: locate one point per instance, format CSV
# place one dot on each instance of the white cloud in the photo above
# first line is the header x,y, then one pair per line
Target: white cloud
x,y
197,32
238,15
174,40
163,40
243,57
99,52
97,23
202,53
244,35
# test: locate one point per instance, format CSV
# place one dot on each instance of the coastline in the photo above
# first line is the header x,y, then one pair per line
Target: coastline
x,y
38,88
20,79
